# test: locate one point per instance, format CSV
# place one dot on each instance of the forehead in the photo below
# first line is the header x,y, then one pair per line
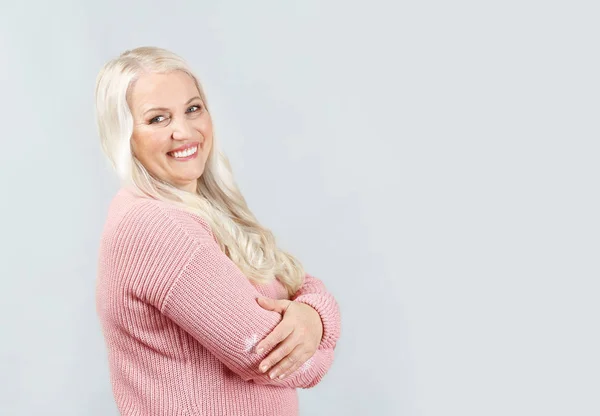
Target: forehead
x,y
162,89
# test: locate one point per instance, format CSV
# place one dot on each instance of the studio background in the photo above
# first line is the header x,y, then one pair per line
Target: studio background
x,y
434,163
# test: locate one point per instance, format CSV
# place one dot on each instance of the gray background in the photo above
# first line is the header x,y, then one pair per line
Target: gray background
x,y
435,163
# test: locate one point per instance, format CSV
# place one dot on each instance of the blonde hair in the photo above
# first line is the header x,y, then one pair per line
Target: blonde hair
x,y
217,199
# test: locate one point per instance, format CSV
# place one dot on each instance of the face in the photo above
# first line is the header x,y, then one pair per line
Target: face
x,y
172,130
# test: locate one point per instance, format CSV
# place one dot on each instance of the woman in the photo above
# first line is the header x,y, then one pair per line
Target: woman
x,y
202,314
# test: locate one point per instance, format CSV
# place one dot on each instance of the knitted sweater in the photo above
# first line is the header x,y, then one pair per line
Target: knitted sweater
x,y
180,320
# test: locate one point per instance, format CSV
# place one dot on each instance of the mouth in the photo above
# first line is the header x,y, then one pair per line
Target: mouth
x,y
187,154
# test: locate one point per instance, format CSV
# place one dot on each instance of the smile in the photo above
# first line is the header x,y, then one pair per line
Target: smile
x,y
185,154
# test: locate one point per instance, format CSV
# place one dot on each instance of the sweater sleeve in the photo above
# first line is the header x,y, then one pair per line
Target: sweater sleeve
x,y
215,302
193,283
314,293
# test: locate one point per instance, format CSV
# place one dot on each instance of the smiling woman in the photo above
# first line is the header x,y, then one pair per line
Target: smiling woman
x,y
183,122
201,312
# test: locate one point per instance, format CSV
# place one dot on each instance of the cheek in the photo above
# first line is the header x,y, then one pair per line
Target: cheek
x,y
205,126
149,144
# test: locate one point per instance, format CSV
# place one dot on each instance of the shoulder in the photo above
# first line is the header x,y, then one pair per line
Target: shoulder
x,y
132,218
144,246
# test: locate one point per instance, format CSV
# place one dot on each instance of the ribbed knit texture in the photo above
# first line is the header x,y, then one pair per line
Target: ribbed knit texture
x,y
180,319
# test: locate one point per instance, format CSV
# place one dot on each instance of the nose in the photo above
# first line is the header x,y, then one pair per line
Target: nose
x,y
182,129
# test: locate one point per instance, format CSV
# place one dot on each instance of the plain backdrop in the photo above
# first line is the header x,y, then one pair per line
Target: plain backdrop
x,y
435,163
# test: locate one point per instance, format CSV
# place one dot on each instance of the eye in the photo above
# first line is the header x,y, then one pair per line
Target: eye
x,y
194,108
156,119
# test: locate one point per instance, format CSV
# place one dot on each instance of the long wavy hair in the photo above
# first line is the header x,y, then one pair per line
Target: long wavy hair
x,y
217,199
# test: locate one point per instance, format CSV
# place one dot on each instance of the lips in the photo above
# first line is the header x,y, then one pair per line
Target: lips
x,y
184,147
188,154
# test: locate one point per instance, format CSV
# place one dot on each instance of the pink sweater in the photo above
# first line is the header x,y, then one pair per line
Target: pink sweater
x,y
180,320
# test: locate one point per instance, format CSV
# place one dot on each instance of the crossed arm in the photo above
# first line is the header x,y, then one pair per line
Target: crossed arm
x,y
192,282
208,296
214,302
314,293
310,322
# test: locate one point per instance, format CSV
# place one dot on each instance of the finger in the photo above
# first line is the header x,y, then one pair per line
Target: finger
x,y
277,305
281,361
290,363
277,335
266,303
283,349
281,332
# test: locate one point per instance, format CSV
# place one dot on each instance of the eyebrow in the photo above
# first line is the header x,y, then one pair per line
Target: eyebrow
x,y
166,109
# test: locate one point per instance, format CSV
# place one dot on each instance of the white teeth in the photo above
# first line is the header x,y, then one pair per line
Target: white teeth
x,y
185,153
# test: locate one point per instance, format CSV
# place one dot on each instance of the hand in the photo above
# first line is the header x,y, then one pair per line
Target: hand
x,y
298,335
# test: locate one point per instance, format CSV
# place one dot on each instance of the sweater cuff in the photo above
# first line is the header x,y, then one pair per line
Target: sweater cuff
x,y
328,310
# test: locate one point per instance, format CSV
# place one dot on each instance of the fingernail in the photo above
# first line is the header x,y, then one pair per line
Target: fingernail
x,y
273,374
260,350
263,368
282,376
